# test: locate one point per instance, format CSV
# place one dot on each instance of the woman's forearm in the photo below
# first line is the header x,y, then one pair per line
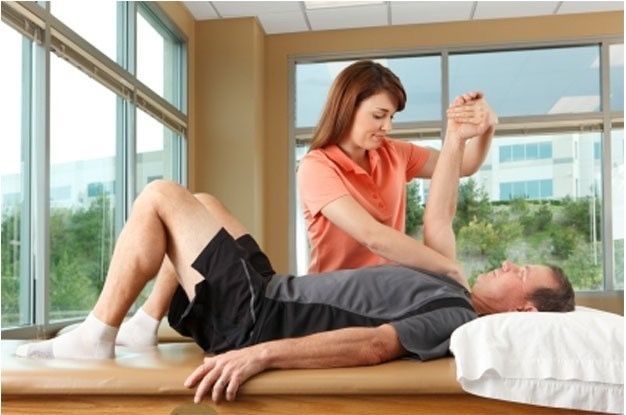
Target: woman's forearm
x,y
401,248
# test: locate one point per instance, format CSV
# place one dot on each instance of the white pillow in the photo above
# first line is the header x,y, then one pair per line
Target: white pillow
x,y
565,360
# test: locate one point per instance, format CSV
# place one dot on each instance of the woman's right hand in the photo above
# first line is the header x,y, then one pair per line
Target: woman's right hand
x,y
470,116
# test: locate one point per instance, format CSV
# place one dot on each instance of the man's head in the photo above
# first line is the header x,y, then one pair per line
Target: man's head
x,y
515,287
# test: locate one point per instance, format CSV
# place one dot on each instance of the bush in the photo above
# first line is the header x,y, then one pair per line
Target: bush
x,y
582,270
576,213
473,205
563,241
537,221
479,238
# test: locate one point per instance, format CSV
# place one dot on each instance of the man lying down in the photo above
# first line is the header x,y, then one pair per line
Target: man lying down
x,y
221,290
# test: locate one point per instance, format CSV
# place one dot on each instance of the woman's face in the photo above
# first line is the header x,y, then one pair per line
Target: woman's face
x,y
372,122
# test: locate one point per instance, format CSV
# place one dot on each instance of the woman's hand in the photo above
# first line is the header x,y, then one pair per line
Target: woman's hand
x,y
222,375
470,115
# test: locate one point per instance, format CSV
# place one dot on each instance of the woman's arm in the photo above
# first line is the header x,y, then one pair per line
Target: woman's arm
x,y
348,215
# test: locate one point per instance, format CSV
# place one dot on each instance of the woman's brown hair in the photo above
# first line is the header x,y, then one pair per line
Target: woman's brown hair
x,y
354,84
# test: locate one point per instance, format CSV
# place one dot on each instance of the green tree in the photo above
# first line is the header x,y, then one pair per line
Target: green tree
x,y
414,208
473,205
82,244
10,253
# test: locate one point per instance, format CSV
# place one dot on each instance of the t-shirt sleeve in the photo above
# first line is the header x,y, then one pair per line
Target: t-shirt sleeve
x,y
413,156
318,184
426,336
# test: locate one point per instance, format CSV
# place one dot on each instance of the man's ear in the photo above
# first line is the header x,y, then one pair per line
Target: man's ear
x,y
528,306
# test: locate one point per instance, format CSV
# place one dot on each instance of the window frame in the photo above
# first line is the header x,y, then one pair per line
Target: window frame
x,y
604,121
45,34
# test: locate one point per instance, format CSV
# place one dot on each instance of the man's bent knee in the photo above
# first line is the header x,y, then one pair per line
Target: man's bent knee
x,y
158,192
209,201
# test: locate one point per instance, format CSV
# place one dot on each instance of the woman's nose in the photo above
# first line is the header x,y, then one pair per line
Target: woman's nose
x,y
386,125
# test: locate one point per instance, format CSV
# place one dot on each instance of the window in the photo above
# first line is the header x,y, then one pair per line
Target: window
x,y
530,189
159,55
150,55
616,59
82,152
15,289
539,220
421,78
95,21
155,151
531,82
538,197
88,176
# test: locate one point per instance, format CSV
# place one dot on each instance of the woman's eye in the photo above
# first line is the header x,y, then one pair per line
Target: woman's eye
x,y
378,117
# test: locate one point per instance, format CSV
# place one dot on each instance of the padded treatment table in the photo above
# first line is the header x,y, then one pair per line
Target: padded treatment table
x,y
150,382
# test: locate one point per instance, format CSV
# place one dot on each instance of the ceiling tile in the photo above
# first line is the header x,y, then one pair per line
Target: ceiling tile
x,y
429,11
348,17
201,10
589,6
283,22
254,8
504,9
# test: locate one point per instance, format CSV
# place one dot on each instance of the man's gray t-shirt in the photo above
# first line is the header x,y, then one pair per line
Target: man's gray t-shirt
x,y
424,309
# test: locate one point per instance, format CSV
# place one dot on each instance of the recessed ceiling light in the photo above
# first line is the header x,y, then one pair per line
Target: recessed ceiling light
x,y
311,5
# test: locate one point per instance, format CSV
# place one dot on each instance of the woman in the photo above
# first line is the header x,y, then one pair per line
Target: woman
x,y
352,181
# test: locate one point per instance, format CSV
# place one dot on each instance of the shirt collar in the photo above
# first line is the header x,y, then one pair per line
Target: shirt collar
x,y
337,155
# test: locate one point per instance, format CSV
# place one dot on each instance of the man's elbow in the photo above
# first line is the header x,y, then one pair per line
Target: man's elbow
x,y
469,169
384,346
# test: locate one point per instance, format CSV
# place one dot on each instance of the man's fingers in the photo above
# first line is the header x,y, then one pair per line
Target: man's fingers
x,y
233,388
219,387
198,374
206,384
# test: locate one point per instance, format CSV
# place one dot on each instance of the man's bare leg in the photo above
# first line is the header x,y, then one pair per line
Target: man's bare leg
x,y
166,220
141,329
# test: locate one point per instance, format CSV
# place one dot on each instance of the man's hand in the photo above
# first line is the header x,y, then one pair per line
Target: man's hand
x,y
222,375
470,115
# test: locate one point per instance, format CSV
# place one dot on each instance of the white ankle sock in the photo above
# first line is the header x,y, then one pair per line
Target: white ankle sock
x,y
139,331
92,339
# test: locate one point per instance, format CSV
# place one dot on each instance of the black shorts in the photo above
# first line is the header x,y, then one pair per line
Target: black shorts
x,y
224,311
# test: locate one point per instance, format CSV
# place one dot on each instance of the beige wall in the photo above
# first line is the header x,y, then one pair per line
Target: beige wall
x,y
279,48
229,123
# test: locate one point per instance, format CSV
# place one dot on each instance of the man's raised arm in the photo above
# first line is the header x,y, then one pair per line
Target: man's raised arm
x,y
465,120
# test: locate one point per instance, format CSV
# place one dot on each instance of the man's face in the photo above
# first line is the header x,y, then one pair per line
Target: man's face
x,y
506,288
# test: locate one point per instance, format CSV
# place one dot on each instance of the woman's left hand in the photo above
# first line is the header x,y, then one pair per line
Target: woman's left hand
x,y
470,115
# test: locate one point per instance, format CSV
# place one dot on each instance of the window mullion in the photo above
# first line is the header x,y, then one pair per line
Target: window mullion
x,y
40,190
607,203
26,300
445,90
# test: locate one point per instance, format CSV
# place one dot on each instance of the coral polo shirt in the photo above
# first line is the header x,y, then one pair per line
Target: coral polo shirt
x,y
326,174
